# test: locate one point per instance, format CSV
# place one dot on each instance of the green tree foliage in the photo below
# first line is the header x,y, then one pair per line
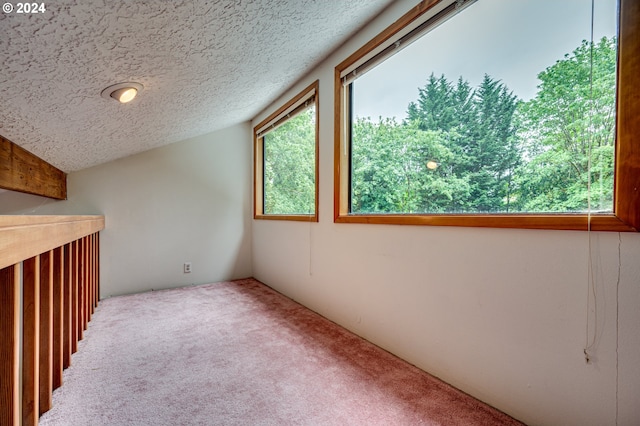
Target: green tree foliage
x,y
468,132
289,166
495,153
390,173
569,124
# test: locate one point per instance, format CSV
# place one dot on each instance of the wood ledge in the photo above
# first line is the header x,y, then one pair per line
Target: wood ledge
x,y
23,237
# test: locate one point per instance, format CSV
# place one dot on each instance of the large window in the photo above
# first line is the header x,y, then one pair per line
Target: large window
x,y
286,160
493,113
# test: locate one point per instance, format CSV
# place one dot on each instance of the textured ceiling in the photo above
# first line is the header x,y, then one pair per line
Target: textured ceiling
x,y
205,65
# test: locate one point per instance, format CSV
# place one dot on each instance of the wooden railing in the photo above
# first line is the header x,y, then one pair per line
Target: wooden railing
x,y
49,288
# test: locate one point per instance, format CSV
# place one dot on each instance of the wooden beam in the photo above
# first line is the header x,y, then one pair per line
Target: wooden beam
x,y
22,171
10,345
30,341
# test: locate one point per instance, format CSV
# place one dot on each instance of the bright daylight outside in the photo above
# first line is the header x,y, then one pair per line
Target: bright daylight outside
x,y
290,166
509,106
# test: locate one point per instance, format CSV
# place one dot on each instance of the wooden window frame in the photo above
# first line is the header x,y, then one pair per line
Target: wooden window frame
x,y
626,210
258,160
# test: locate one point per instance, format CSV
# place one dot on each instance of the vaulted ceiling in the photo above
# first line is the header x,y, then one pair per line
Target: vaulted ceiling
x,y
204,65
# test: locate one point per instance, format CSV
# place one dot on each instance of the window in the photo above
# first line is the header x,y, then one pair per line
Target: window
x,y
286,160
511,125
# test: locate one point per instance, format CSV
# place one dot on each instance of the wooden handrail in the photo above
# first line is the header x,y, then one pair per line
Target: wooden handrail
x,y
22,237
49,287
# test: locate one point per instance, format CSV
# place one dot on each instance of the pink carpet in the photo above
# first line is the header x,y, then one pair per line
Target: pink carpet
x,y
239,353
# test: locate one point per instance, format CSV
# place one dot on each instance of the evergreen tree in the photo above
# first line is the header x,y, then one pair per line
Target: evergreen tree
x,y
482,140
492,147
471,150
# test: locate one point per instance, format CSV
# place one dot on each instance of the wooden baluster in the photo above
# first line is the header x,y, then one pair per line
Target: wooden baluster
x,y
66,313
58,306
97,267
9,345
83,282
89,279
46,331
82,279
74,297
30,341
87,287
80,290
59,293
93,272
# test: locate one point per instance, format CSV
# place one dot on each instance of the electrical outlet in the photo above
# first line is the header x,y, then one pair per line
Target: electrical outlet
x,y
187,267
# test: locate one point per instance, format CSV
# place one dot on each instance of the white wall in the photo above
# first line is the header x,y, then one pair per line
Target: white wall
x,y
189,201
499,313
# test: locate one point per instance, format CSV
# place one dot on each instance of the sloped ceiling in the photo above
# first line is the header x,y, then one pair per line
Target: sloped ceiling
x,y
204,65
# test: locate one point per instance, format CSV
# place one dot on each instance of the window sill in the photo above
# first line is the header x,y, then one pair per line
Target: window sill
x,y
575,222
295,218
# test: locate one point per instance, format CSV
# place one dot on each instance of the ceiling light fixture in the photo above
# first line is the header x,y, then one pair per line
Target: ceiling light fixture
x,y
122,92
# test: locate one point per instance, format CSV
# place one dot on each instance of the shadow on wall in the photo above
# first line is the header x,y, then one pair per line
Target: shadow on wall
x,y
12,202
18,203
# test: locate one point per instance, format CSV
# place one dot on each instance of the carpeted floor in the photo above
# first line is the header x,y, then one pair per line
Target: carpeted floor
x,y
238,353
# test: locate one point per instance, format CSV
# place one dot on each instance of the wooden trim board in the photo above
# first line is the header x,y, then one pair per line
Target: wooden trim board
x,y
22,171
22,237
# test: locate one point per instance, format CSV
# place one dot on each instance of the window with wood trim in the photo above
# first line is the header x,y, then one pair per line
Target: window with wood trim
x,y
286,160
511,125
